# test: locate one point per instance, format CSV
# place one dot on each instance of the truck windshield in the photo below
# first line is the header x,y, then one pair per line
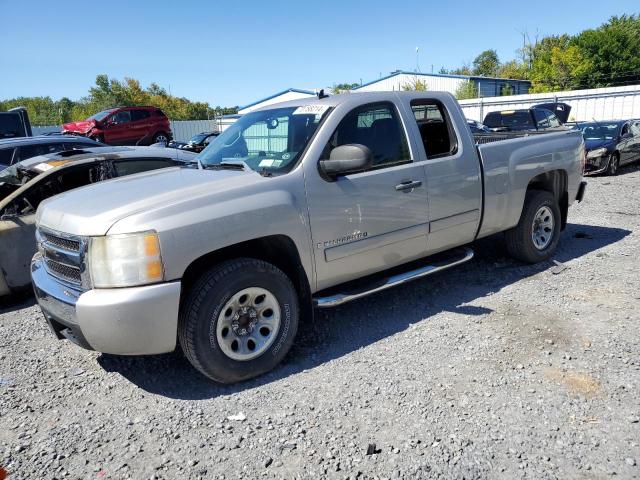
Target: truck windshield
x,y
268,141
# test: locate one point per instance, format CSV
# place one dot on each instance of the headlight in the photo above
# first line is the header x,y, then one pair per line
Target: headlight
x,y
125,260
598,152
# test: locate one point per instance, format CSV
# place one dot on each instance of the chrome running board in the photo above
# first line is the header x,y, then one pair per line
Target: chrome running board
x,y
334,299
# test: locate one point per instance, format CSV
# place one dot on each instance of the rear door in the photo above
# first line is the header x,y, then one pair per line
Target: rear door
x,y
371,220
625,146
141,125
452,172
635,132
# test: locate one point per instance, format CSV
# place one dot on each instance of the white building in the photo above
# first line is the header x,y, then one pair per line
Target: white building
x,y
283,96
487,86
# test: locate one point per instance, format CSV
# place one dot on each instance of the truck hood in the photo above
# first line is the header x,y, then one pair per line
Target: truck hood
x,y
94,209
79,127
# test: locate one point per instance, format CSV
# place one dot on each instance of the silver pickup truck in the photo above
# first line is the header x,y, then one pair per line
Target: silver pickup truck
x,y
309,203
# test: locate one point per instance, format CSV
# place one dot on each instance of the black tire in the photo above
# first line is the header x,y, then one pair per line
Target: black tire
x,y
614,164
519,240
98,138
160,137
202,308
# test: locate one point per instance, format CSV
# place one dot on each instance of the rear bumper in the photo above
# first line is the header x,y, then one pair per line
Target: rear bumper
x,y
120,321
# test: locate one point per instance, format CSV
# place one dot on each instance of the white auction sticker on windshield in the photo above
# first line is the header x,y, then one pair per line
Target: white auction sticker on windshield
x,y
42,167
267,162
311,110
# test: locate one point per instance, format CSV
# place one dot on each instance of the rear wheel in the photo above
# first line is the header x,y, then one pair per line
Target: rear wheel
x,y
239,320
160,137
614,164
536,236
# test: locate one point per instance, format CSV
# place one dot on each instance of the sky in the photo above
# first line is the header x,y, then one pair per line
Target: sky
x,y
232,53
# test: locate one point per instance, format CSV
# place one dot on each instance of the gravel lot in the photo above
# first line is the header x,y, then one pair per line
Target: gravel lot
x,y
490,370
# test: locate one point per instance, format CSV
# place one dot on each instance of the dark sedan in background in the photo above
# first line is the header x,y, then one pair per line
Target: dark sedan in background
x,y
24,185
197,143
610,144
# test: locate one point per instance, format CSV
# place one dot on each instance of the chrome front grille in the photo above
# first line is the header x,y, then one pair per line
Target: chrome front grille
x,y
66,272
63,256
62,242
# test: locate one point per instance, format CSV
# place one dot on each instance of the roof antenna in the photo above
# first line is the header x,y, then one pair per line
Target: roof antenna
x,y
321,94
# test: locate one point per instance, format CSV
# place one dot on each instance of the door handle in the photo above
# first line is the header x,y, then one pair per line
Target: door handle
x,y
409,185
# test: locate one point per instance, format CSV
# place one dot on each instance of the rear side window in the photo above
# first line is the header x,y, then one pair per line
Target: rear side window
x,y
10,125
437,133
29,151
139,115
377,126
129,167
6,154
159,113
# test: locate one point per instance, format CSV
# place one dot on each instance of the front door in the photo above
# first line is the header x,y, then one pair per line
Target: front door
x,y
372,220
118,129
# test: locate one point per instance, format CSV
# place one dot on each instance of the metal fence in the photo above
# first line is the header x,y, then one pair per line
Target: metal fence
x,y
613,103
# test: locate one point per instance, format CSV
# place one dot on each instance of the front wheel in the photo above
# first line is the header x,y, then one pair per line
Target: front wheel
x,y
536,236
613,165
239,320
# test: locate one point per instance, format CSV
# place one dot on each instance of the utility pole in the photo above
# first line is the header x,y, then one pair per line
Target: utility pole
x,y
417,59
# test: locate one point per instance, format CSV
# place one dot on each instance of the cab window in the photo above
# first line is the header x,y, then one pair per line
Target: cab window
x,y
437,133
376,126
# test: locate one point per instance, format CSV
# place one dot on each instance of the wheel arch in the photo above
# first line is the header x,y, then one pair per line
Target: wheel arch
x,y
556,183
279,250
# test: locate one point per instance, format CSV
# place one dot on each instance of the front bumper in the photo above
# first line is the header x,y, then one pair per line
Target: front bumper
x,y
596,165
120,321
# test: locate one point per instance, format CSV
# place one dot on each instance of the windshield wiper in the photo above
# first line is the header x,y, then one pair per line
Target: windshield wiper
x,y
224,166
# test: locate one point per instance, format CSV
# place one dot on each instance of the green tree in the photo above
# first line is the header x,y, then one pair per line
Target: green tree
x,y
486,64
466,90
343,87
416,85
513,69
558,64
612,51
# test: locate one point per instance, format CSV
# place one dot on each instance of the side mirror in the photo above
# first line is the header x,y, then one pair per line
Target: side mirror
x,y
350,158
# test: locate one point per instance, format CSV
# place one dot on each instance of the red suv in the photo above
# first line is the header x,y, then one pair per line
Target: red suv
x,y
124,126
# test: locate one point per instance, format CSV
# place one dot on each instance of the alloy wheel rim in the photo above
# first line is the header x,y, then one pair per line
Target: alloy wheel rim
x,y
542,228
248,324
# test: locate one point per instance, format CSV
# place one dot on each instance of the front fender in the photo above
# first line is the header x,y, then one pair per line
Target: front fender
x,y
197,227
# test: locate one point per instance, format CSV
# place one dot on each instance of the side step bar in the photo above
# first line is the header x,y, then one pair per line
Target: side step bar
x,y
335,299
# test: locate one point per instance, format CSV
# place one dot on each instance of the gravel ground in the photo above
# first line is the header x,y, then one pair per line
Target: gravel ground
x,y
489,370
